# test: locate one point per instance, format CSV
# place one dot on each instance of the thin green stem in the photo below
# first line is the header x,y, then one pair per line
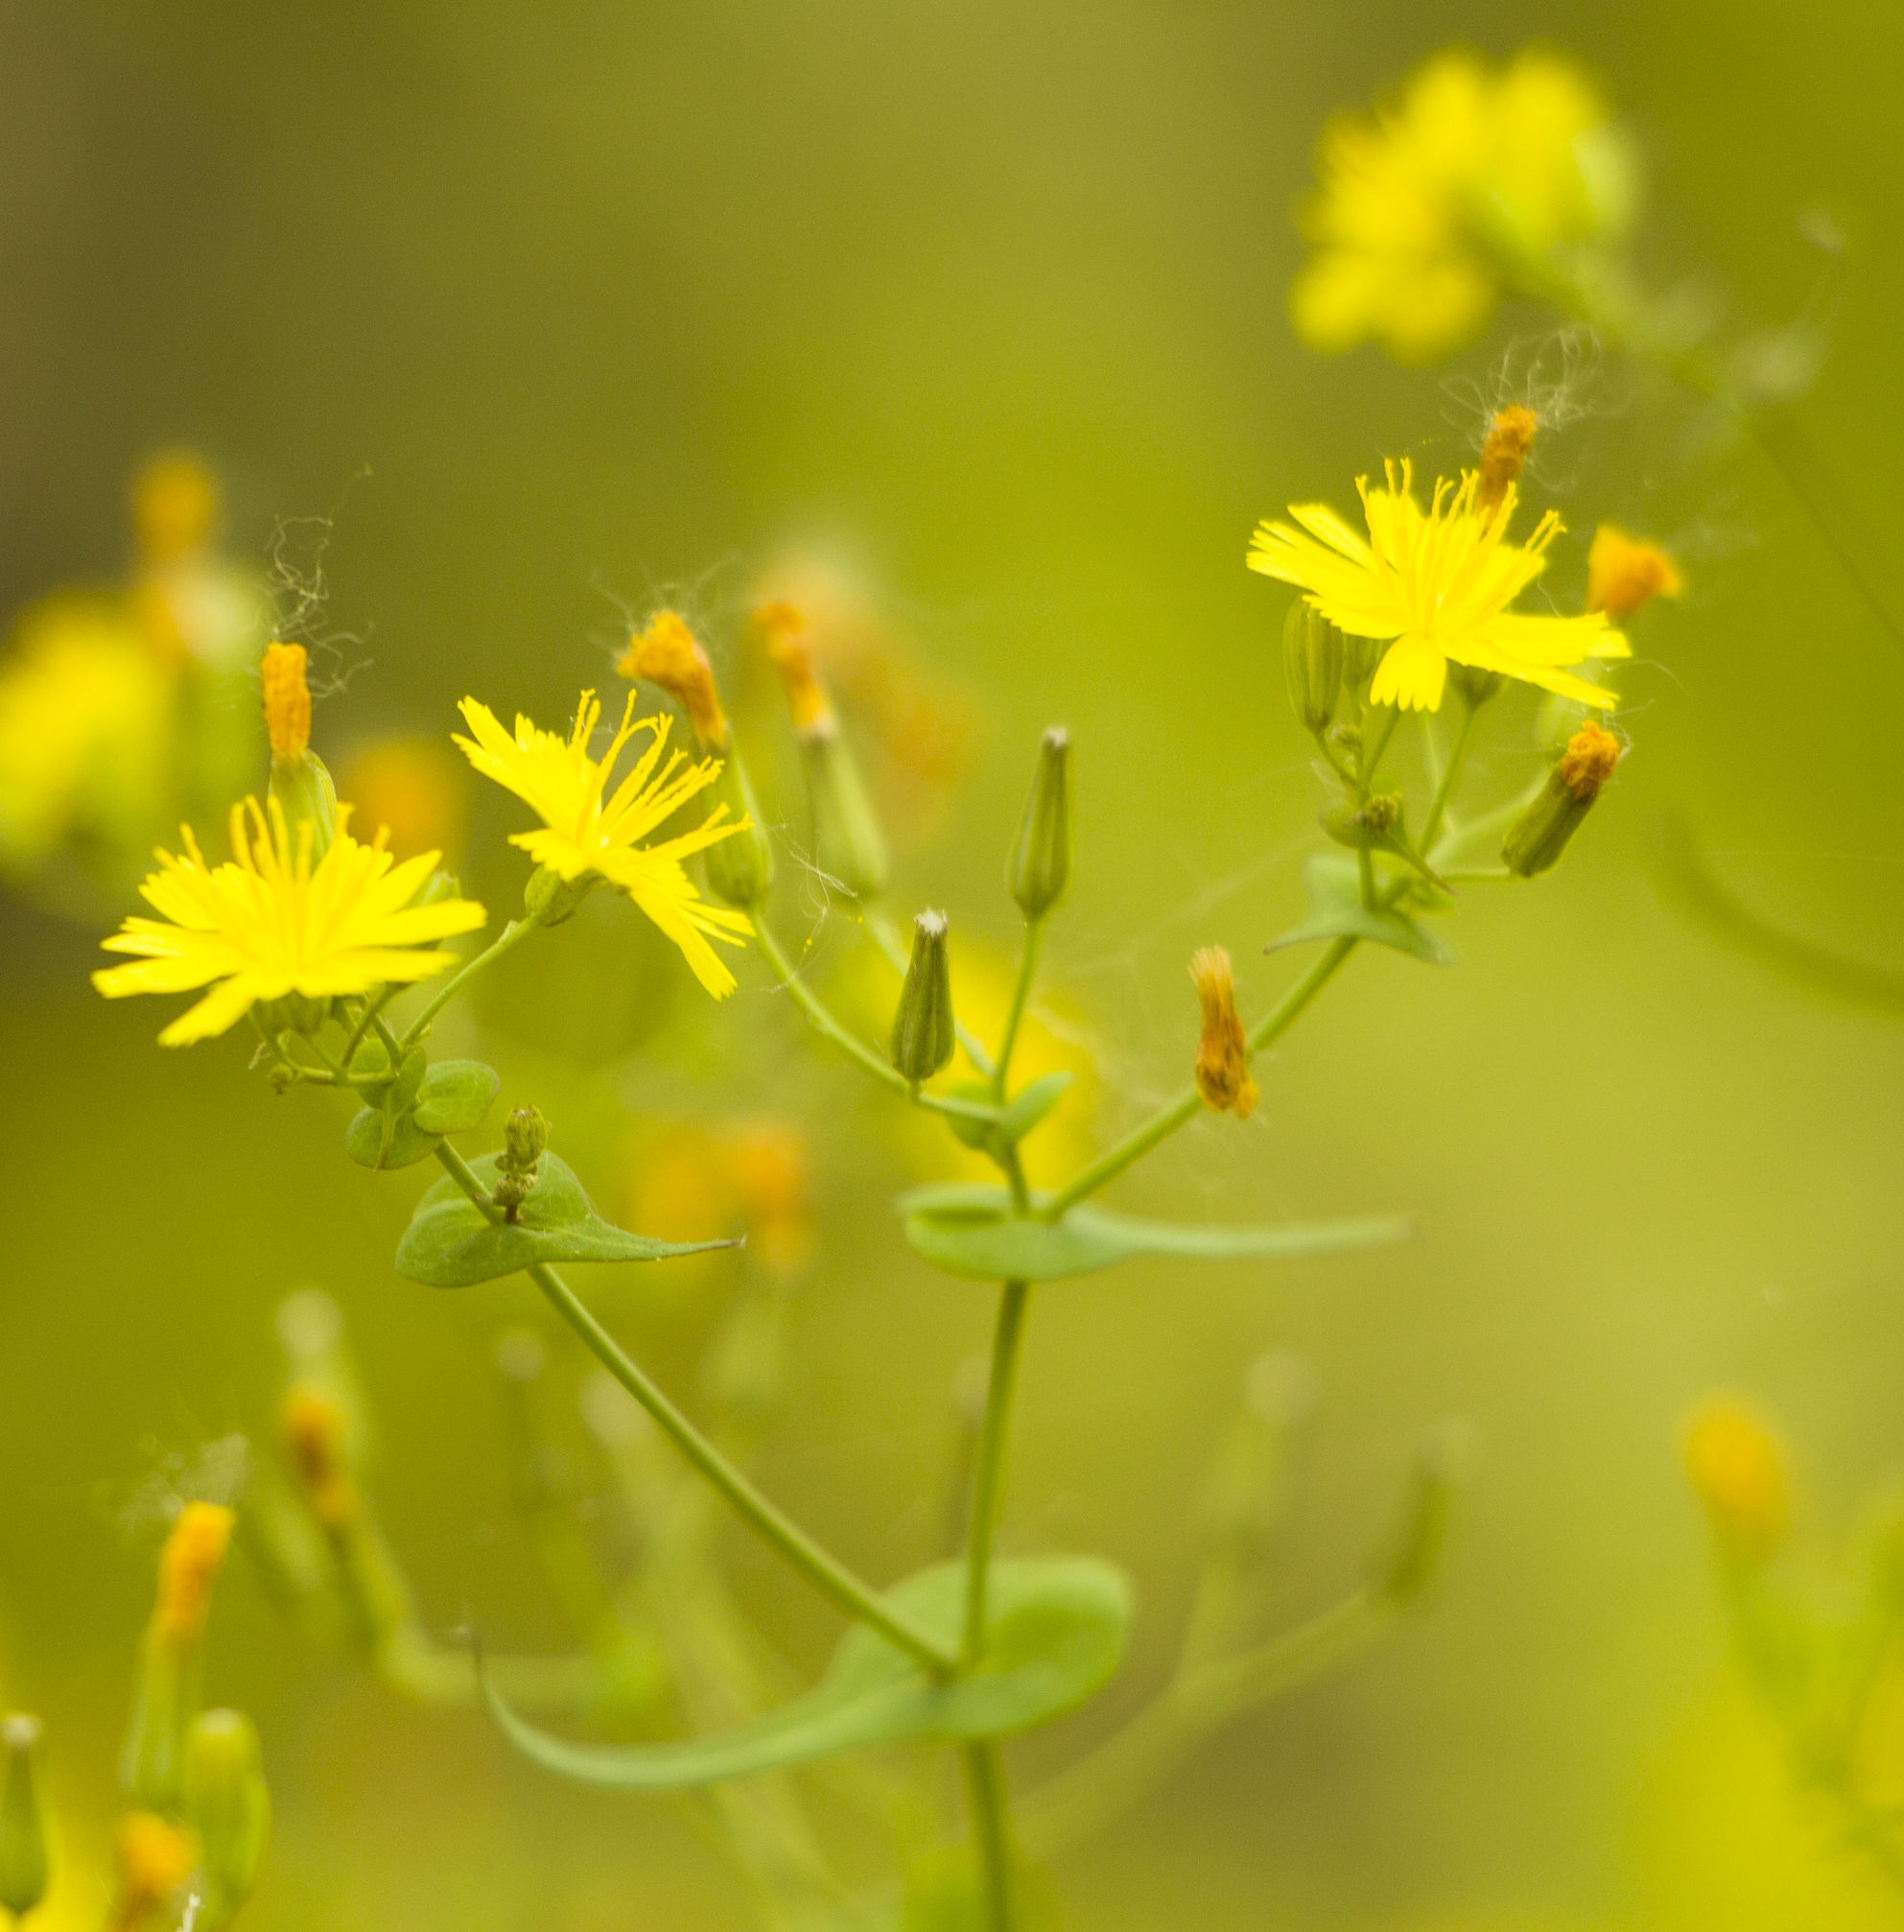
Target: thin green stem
x,y
1027,968
514,931
1373,752
894,954
989,1469
792,1544
985,1794
1165,1121
887,1074
1450,776
372,1008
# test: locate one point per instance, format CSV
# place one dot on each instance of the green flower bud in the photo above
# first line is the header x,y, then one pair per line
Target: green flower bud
x,y
1540,834
847,841
228,1807
1365,828
304,791
26,1824
1041,862
1475,687
922,1028
549,898
525,1136
1412,1561
740,870
1313,651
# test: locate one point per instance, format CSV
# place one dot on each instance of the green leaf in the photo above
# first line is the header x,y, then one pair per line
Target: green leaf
x,y
377,1138
1056,1635
970,1229
1033,1101
455,1096
1336,912
1007,1126
451,1243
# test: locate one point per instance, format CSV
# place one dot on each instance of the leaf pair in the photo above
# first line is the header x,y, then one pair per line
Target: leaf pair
x,y
1336,912
1056,1633
410,1113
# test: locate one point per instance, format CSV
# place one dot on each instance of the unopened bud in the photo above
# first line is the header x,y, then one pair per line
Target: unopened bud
x,y
922,1028
154,1861
299,782
26,1824
1504,454
315,1438
667,654
1222,1058
740,868
1417,1552
1624,573
1040,866
549,898
1539,838
1737,1467
525,1136
1364,826
1313,654
230,1808
1475,685
188,1566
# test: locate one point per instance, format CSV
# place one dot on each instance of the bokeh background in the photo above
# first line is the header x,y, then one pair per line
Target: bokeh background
x,y
555,312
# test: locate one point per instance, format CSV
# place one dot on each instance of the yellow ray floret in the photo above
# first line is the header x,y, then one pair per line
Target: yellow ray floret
x,y
583,831
1435,585
269,922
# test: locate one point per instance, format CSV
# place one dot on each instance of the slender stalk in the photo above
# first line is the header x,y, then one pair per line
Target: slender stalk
x,y
986,1794
894,954
1373,751
1450,774
1165,1121
1027,968
988,1470
514,931
816,1010
792,1544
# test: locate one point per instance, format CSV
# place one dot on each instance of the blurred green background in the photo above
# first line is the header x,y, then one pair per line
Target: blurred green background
x,y
557,310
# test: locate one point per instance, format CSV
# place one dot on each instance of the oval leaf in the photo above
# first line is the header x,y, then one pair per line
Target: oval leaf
x,y
453,1243
1057,1631
971,1229
377,1138
455,1096
1336,912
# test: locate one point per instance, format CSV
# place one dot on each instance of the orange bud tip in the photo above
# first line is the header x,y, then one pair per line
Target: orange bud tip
x,y
1588,762
287,691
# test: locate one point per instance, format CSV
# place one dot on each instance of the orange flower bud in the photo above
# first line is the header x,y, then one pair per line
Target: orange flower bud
x,y
1623,573
667,654
188,1566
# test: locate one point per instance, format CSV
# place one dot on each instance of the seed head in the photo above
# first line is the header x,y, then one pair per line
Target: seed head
x,y
1223,1061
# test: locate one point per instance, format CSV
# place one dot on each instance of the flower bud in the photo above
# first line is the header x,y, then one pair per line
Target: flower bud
x,y
1040,866
549,898
1624,574
154,1861
1417,1552
1539,838
188,1566
1222,1058
922,1028
26,1824
1475,685
1313,654
315,1438
1737,1467
740,870
299,782
230,1808
1504,454
525,1136
170,1657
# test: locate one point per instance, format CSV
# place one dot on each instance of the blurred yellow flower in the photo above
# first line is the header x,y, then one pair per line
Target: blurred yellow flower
x,y
1438,583
690,1182
1624,574
411,787
1472,176
1737,1469
154,1860
268,923
580,833
188,1566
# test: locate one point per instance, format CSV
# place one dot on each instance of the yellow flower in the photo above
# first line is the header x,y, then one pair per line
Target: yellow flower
x,y
268,923
1472,176
1737,1467
1624,573
1438,582
584,833
413,786
154,1861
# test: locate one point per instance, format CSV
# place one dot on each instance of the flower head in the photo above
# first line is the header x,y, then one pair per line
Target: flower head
x,y
584,832
1423,208
1625,573
667,654
1223,1055
188,1566
1435,585
154,1860
269,922
791,651
286,692
1737,1467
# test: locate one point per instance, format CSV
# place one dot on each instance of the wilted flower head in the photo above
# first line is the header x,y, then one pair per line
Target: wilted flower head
x,y
1425,207
1624,573
667,654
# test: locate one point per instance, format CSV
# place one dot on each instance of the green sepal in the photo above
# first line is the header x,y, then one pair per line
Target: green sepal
x,y
1336,912
969,1229
451,1243
1056,1633
452,1097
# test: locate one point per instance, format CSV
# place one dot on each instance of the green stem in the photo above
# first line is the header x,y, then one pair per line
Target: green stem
x,y
894,954
1168,1118
887,1074
988,1470
514,931
1450,774
984,1785
792,1544
1027,968
1373,753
